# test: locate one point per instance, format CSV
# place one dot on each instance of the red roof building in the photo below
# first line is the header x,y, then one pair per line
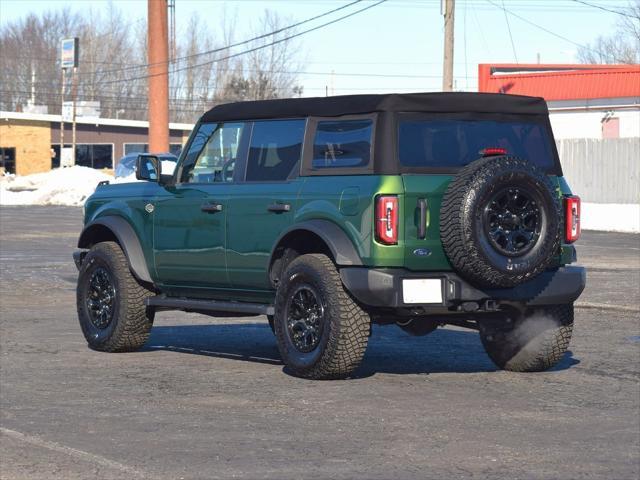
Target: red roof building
x,y
561,82
585,101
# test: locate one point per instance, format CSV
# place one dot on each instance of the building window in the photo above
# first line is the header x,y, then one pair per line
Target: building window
x,y
88,155
611,128
94,156
174,148
7,160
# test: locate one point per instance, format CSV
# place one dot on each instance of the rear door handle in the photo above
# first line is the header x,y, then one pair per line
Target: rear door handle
x,y
279,207
422,225
211,207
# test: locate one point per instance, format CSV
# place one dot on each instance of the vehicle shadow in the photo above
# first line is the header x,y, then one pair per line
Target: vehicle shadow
x,y
390,350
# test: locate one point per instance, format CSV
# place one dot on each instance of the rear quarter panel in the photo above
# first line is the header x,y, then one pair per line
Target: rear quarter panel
x,y
348,201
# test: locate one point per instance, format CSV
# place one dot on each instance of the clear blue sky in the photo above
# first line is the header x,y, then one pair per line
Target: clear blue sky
x,y
399,37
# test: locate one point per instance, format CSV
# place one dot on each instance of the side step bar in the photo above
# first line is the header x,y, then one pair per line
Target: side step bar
x,y
174,303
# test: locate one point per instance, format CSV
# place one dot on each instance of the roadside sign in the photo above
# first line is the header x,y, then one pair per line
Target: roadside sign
x,y
66,157
69,53
67,111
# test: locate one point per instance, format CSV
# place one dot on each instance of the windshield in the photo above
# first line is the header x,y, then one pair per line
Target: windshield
x,y
455,143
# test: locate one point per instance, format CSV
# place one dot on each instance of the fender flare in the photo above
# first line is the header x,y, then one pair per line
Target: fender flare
x,y
127,239
341,247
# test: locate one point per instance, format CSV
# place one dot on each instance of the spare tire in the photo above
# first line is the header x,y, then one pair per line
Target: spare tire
x,y
500,222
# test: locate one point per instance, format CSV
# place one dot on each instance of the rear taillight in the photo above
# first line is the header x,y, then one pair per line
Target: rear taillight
x,y
572,218
387,219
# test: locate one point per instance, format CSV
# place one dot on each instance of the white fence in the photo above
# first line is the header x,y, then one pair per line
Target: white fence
x,y
602,171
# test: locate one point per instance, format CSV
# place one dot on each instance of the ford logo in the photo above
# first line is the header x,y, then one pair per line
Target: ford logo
x,y
422,252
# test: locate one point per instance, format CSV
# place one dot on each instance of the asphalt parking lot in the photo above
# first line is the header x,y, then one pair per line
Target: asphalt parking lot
x,y
208,398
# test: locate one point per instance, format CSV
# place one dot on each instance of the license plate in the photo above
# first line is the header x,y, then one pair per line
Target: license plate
x,y
422,290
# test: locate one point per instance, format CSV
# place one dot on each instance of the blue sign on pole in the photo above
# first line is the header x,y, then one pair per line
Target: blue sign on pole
x,y
69,53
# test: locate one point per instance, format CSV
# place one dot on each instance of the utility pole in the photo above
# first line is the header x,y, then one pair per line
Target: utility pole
x,y
62,116
74,96
447,68
33,86
158,71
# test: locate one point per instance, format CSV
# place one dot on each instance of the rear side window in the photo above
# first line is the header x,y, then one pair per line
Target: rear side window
x,y
342,144
455,143
275,150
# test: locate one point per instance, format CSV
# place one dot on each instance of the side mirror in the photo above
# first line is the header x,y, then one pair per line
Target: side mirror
x,y
148,168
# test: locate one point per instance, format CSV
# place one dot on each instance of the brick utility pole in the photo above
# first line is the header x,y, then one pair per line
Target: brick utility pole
x,y
158,71
447,70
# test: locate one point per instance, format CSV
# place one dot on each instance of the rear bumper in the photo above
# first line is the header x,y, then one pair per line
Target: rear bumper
x,y
384,288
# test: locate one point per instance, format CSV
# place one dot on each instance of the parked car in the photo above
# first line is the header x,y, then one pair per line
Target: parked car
x,y
127,164
330,214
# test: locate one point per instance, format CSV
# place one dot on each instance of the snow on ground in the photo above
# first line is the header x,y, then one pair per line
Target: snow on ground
x,y
61,186
610,217
71,186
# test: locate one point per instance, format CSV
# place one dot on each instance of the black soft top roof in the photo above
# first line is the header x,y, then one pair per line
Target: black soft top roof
x,y
445,102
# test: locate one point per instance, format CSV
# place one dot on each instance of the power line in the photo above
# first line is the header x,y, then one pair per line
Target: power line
x,y
605,9
513,46
260,47
535,24
233,45
298,72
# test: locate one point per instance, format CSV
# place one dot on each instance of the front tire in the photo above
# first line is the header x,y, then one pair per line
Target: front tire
x,y
110,301
533,341
321,332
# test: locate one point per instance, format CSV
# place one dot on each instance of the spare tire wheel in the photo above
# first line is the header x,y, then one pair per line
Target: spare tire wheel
x,y
500,222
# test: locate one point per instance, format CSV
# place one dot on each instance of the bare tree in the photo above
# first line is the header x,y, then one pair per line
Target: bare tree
x,y
113,63
29,57
270,70
623,46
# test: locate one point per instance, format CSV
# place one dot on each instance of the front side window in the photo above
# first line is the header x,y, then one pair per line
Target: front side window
x,y
275,150
213,153
456,143
342,144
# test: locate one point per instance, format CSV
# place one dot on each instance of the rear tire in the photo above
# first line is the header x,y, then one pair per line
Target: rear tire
x,y
531,342
321,332
110,301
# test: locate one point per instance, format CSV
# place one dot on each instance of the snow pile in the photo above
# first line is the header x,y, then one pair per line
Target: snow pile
x,y
610,217
62,186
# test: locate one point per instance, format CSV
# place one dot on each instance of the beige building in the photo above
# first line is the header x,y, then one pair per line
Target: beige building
x,y
30,143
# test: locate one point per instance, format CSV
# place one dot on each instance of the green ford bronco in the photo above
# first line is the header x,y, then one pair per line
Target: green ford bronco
x,y
330,214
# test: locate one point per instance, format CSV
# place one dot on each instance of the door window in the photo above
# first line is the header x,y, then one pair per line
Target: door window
x,y
275,150
213,153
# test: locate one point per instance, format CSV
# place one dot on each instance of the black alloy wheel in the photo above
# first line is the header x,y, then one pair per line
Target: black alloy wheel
x,y
101,298
513,221
321,332
500,222
305,318
111,302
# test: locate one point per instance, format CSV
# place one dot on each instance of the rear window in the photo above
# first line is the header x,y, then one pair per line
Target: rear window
x,y
455,143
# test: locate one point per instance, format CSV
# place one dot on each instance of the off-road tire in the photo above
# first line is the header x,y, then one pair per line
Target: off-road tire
x,y
345,327
462,231
131,321
531,342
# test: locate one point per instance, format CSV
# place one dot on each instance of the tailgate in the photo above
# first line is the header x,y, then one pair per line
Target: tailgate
x,y
422,198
